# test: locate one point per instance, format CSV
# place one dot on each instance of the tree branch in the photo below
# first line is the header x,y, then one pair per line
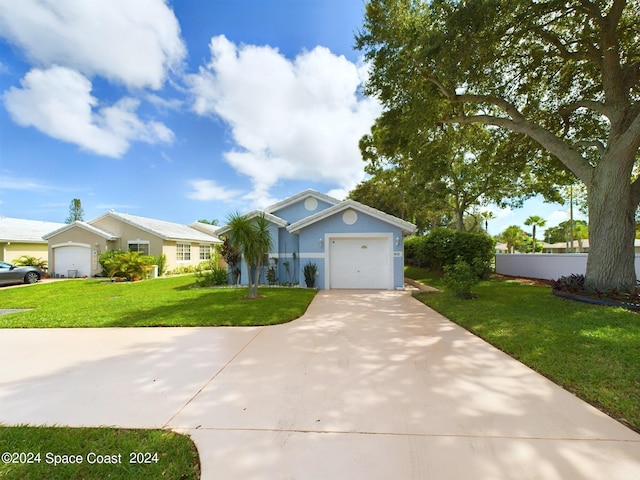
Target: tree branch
x,y
588,104
570,157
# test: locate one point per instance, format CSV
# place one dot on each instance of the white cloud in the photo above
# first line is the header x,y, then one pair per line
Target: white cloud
x,y
207,190
58,102
135,43
297,119
9,182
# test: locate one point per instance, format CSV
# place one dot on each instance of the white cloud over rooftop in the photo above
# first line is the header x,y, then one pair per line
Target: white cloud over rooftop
x,y
298,119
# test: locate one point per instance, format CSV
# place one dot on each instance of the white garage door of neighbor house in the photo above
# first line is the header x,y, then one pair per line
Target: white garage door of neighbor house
x,y
72,259
360,263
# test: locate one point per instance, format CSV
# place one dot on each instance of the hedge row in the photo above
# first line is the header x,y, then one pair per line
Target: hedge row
x,y
443,247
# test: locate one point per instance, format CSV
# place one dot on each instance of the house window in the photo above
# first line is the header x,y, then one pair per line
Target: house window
x,y
183,252
142,247
205,252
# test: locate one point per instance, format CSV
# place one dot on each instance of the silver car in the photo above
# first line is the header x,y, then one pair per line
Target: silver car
x,y
10,274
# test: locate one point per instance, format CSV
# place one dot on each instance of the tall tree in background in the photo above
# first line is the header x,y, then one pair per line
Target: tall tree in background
x,y
76,213
565,74
535,221
449,168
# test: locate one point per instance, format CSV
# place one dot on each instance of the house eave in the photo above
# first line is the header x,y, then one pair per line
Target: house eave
x,y
406,227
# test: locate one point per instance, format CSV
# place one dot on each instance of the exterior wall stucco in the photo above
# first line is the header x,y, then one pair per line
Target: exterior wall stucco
x,y
130,233
546,266
11,251
314,243
298,210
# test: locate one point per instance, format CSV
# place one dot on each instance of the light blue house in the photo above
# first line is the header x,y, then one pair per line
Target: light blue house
x,y
354,246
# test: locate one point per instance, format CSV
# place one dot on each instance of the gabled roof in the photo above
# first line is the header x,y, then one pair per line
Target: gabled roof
x,y
300,196
256,213
385,217
27,231
160,228
205,227
85,226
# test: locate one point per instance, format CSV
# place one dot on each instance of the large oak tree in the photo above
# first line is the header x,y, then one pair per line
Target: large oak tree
x,y
563,73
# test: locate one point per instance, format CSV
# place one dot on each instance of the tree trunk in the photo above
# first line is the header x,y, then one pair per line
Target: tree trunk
x,y
611,257
254,280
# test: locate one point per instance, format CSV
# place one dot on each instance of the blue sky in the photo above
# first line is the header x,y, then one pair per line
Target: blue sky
x,y
183,110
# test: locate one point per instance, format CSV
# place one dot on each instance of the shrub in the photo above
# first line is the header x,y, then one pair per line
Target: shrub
x,y
460,278
411,255
30,261
310,271
161,261
209,274
573,283
443,246
126,264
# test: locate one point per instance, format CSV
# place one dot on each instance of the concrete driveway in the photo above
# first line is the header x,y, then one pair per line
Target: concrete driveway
x,y
367,385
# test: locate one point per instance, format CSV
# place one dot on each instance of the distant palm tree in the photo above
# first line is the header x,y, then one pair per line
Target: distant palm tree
x,y
513,236
535,221
251,236
486,216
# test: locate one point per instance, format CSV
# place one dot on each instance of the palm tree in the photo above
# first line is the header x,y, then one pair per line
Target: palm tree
x,y
535,221
486,216
252,237
513,236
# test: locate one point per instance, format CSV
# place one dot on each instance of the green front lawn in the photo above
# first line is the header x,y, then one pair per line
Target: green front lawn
x,y
174,301
590,350
57,453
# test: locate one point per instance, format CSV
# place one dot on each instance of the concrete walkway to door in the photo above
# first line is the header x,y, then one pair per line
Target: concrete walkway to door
x,y
366,385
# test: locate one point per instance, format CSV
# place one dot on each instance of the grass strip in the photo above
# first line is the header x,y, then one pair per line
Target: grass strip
x,y
63,453
174,301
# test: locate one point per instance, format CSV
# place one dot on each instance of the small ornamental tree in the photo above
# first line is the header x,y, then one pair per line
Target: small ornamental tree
x,y
252,238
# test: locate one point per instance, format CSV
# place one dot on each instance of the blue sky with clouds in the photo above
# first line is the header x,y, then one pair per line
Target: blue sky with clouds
x,y
182,110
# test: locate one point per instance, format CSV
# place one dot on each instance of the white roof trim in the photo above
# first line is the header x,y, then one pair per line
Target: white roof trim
x,y
84,226
405,226
302,195
253,214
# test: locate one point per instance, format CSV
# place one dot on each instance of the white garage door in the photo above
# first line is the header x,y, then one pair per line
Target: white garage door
x,y
360,263
72,258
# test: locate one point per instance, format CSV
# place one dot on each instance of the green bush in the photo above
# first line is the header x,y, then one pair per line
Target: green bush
x,y
30,261
130,265
209,274
442,247
460,278
161,261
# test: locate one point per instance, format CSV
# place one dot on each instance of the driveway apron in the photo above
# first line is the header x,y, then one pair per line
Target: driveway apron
x,y
366,385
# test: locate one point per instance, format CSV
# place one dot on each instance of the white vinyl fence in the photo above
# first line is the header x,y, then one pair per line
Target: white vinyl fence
x,y
547,266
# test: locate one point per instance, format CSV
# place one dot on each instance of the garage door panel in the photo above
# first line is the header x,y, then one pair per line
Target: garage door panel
x,y
72,258
360,263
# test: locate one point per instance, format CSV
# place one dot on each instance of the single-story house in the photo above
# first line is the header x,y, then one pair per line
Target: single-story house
x,y
20,237
74,249
353,246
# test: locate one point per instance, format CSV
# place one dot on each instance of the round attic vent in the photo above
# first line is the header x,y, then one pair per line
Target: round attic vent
x,y
311,204
350,217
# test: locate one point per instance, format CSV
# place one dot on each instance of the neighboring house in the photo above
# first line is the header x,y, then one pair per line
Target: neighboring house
x,y
20,237
579,246
354,246
74,249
